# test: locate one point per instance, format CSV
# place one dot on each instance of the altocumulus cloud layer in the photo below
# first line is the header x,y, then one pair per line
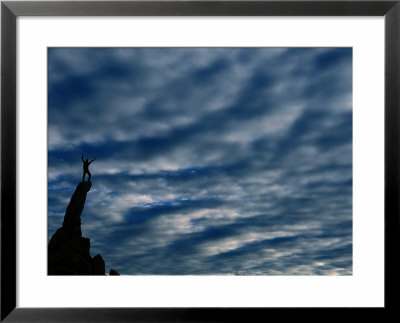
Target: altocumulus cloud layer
x,y
209,160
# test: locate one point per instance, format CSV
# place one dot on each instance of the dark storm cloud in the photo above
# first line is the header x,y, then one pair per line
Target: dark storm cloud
x,y
209,160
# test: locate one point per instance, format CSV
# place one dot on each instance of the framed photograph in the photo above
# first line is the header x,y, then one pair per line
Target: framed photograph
x,y
193,160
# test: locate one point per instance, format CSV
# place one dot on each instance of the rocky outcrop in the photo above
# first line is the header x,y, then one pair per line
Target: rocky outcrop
x,y
113,272
68,251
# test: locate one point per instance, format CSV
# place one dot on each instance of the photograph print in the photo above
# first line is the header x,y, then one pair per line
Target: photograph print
x,y
200,161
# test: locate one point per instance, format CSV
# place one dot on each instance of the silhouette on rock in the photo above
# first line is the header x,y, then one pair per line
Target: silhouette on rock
x,y
68,251
85,166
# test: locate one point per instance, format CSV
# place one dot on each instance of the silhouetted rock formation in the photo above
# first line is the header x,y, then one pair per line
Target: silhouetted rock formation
x,y
113,272
69,252
72,218
99,266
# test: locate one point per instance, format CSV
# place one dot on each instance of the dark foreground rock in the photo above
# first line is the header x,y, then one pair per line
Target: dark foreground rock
x,y
68,251
113,272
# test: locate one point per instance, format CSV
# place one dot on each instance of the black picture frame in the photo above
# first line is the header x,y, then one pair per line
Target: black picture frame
x,y
10,10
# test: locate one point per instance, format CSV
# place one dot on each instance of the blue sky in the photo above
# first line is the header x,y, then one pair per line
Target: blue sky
x,y
208,160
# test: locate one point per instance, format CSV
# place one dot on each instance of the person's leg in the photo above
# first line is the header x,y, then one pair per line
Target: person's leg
x,y
83,176
89,175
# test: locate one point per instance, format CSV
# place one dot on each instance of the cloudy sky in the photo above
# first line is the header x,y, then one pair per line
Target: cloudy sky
x,y
208,160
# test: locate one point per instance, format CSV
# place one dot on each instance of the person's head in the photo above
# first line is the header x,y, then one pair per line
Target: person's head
x,y
87,159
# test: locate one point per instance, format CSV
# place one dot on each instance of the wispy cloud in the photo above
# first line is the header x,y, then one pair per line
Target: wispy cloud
x,y
209,160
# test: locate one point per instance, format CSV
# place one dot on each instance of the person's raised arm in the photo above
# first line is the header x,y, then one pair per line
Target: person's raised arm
x,y
92,160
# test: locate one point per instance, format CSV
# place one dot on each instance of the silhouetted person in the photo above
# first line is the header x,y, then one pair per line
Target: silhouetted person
x,y
86,164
